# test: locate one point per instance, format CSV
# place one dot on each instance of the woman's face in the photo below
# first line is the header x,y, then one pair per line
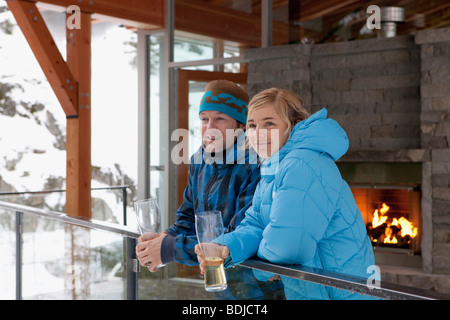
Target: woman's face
x,y
266,130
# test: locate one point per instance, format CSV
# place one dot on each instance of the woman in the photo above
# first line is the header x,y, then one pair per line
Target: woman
x,y
302,212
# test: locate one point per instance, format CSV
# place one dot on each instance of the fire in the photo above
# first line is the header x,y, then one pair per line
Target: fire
x,y
388,234
405,227
377,220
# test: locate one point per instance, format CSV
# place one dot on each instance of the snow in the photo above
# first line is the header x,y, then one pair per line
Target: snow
x,y
28,157
114,105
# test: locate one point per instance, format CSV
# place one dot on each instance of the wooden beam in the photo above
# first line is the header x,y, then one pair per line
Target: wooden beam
x,y
203,18
47,54
311,9
145,14
78,141
192,16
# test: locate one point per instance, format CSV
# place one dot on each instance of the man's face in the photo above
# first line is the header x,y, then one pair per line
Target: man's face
x,y
214,130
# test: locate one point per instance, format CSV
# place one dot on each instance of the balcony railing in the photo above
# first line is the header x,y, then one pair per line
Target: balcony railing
x,y
127,261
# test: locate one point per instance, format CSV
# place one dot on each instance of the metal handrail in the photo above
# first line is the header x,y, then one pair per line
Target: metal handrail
x,y
15,193
123,188
385,290
324,277
77,221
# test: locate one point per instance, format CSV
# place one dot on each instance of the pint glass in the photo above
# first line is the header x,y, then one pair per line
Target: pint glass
x,y
148,217
209,227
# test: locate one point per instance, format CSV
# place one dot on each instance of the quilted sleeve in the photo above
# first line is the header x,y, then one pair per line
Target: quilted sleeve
x,y
243,242
299,215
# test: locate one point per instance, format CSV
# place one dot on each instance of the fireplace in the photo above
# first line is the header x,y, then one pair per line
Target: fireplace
x,y
388,196
392,217
389,97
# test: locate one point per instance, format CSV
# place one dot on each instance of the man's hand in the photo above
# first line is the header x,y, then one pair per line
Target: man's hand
x,y
148,250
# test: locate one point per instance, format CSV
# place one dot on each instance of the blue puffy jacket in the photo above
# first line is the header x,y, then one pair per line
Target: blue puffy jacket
x,y
304,213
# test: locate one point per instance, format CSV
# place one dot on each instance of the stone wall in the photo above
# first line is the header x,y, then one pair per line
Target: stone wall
x,y
392,96
286,67
435,136
371,87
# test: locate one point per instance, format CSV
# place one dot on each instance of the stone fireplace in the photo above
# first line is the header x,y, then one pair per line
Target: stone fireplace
x,y
392,96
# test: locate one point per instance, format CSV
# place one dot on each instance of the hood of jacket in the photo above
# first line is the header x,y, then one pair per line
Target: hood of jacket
x,y
317,133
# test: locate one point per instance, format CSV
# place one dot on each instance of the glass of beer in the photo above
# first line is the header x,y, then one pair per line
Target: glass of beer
x,y
209,227
148,217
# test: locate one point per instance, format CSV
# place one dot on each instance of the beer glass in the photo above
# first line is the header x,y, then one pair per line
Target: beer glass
x,y
209,227
148,217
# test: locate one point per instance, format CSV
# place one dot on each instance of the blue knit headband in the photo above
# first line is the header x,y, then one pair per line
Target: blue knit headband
x,y
225,103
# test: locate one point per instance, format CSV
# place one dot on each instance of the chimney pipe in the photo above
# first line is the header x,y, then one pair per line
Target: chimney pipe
x,y
390,17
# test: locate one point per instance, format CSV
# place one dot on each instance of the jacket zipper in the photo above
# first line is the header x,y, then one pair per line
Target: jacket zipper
x,y
209,186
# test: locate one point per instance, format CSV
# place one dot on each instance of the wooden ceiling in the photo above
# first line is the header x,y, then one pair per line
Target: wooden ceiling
x,y
239,21
321,21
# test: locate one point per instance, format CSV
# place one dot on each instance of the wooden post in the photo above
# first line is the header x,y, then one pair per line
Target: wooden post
x,y
78,149
78,144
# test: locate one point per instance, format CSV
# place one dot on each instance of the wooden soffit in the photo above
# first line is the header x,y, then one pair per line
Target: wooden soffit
x,y
145,14
207,19
191,16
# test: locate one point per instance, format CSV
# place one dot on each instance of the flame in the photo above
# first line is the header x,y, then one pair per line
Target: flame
x,y
388,234
406,227
384,209
379,220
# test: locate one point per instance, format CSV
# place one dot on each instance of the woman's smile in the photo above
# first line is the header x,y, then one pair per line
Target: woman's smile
x,y
266,130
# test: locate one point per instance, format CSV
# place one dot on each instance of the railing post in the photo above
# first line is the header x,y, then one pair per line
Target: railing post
x,y
125,204
132,269
19,230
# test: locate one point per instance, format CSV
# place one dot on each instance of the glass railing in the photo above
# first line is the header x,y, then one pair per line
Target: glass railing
x,y
48,255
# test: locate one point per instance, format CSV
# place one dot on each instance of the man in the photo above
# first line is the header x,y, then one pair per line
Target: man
x,y
222,176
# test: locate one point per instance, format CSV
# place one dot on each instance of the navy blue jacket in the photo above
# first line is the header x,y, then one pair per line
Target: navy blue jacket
x,y
224,182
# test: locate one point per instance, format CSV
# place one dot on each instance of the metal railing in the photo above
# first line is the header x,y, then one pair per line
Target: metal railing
x,y
337,280
122,188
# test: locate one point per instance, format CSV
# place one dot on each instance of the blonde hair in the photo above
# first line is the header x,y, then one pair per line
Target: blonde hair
x,y
289,106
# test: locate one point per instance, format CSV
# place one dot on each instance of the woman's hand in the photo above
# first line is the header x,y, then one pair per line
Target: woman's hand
x,y
213,249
